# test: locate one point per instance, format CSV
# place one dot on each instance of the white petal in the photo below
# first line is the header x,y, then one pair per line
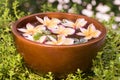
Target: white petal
x,y
80,23
68,23
39,19
83,30
116,2
80,34
103,16
51,27
51,1
87,12
49,42
91,27
102,8
22,29
66,1
55,30
29,26
59,7
61,37
41,27
69,31
25,35
97,34
68,41
60,43
42,39
52,39
56,20
46,19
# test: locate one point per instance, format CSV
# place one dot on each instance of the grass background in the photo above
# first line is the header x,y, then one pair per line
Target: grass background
x,y
106,66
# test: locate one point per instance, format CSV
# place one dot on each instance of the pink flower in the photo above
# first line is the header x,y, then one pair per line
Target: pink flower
x,y
30,29
76,25
90,32
49,23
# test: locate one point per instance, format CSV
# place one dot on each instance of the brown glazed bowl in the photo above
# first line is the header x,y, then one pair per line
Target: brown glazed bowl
x,y
58,59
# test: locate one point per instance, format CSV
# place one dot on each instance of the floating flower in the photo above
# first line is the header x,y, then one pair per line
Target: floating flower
x,y
90,32
49,23
61,40
61,30
30,29
76,25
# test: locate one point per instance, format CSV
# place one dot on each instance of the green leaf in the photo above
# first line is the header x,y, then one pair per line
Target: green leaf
x,y
37,36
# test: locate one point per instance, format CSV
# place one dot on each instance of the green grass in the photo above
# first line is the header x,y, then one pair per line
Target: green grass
x,y
106,66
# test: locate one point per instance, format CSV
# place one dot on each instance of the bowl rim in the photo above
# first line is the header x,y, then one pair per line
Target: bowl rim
x,y
16,33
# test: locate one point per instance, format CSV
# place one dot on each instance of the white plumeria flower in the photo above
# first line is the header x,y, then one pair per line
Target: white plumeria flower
x,y
116,2
51,1
30,29
66,1
65,6
61,30
90,32
49,23
114,26
117,18
61,40
93,2
89,6
77,1
102,16
102,8
76,25
60,1
60,7
87,12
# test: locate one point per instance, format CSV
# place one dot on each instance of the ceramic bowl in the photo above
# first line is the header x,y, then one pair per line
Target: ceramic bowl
x,y
58,59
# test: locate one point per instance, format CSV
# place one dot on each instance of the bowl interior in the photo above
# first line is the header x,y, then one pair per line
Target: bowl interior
x,y
31,19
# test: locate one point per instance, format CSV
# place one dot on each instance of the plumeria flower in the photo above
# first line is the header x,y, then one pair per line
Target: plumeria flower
x,y
77,1
117,18
102,8
87,12
30,29
116,2
61,40
76,25
51,1
49,23
102,16
90,32
61,30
